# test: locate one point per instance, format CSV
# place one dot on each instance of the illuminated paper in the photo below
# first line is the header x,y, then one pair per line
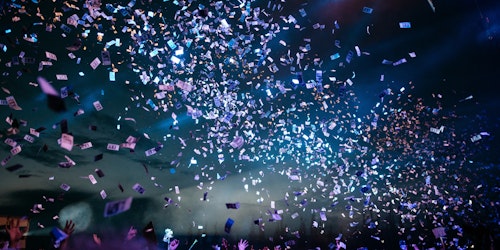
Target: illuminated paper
x,y
113,147
16,150
11,101
97,106
67,141
117,207
62,77
404,25
92,179
50,55
95,63
86,145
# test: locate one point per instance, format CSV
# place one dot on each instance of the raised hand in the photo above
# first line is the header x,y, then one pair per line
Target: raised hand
x,y
69,228
242,244
173,244
131,233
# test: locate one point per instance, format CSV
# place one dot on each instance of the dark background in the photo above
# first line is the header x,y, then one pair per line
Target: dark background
x,y
457,50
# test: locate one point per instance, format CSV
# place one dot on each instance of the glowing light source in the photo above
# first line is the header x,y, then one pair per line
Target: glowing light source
x,y
80,213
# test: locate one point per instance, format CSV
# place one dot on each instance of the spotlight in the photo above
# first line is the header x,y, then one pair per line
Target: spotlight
x,y
80,213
